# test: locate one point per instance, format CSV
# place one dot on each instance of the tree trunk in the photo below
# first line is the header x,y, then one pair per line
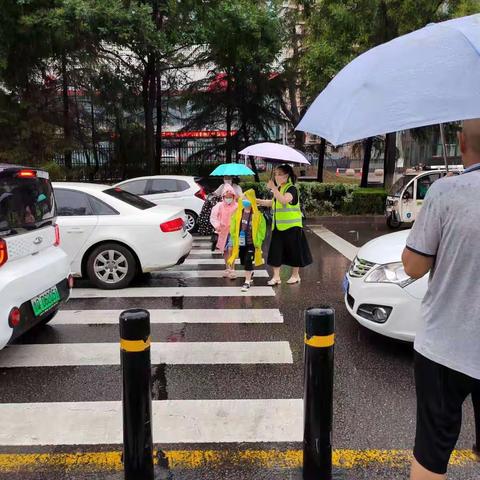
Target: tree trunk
x,y
149,101
228,120
321,159
67,127
367,155
254,168
390,159
158,136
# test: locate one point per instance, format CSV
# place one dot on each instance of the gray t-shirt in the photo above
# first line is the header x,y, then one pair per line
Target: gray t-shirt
x,y
448,228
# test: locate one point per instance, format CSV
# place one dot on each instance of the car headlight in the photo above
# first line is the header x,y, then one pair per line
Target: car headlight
x,y
390,273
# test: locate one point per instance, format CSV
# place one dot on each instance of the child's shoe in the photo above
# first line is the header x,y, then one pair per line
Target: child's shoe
x,y
226,273
232,275
246,286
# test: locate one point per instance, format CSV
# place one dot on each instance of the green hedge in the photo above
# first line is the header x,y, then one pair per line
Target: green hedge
x,y
332,198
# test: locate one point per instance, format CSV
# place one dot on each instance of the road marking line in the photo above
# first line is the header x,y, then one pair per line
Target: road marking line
x,y
169,292
172,353
206,261
205,273
100,317
201,251
338,243
192,459
173,421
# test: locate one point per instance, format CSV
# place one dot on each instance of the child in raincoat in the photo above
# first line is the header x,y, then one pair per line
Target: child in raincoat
x,y
247,231
220,218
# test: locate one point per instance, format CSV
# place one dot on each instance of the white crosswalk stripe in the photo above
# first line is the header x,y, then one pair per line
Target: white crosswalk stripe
x,y
181,353
173,292
99,317
205,273
174,421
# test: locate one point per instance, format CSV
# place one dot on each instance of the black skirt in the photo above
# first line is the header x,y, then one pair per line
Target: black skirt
x,y
289,247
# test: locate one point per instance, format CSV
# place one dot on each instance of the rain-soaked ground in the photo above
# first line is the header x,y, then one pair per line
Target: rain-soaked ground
x,y
374,405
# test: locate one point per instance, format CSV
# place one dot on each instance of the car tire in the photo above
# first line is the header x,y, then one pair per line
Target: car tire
x,y
111,266
192,219
393,223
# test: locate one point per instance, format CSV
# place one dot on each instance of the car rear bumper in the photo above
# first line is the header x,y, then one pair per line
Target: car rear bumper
x,y
28,318
24,279
402,322
167,254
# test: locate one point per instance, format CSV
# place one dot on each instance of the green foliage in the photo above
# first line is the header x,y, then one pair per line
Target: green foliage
x,y
364,201
56,172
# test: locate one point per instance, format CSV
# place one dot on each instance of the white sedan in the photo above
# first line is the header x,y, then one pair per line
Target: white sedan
x,y
378,292
173,190
111,235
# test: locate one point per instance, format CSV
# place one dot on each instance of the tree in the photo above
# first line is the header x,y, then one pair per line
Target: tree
x,y
242,41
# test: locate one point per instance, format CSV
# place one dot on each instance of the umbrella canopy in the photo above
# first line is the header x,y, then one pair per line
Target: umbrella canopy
x,y
232,169
426,77
275,152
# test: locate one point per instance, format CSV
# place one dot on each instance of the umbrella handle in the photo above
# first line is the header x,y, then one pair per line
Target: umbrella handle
x,y
444,145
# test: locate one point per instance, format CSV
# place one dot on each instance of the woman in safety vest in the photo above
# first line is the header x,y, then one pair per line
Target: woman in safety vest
x,y
288,245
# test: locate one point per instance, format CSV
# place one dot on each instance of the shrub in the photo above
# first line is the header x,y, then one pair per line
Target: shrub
x,y
332,198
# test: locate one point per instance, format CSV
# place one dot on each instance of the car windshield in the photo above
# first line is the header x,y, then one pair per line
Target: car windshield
x,y
399,185
130,198
26,201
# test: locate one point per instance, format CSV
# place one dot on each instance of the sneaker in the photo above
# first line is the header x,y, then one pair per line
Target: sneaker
x,y
226,273
232,275
246,286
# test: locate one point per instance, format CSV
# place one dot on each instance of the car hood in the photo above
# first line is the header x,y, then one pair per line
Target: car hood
x,y
385,249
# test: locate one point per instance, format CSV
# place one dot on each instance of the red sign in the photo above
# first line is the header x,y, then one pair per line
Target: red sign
x,y
199,134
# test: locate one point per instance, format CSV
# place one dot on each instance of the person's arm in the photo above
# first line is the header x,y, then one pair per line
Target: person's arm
x,y
264,203
283,199
416,265
418,257
214,217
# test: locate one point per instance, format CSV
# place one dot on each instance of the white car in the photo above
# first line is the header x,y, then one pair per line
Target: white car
x,y
110,235
174,190
34,270
378,292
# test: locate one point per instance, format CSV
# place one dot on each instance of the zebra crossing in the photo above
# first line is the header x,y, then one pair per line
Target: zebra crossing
x,y
77,347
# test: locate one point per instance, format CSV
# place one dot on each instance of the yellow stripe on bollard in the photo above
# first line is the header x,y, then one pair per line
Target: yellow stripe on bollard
x,y
135,345
320,341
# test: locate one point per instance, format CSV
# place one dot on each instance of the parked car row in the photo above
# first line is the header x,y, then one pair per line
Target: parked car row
x,y
49,234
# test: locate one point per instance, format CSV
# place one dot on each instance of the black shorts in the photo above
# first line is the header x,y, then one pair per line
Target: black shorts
x,y
441,392
247,257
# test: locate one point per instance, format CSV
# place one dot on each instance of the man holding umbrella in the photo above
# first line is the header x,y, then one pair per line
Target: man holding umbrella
x,y
444,242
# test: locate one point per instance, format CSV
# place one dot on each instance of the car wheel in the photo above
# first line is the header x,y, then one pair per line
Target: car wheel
x,y
111,266
191,221
392,222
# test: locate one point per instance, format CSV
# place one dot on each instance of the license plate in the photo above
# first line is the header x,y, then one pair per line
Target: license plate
x,y
45,301
345,284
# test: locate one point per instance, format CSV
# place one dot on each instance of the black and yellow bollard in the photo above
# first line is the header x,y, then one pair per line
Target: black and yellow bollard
x,y
137,394
318,393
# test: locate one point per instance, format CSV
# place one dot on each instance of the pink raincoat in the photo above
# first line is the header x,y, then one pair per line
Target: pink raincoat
x,y
221,215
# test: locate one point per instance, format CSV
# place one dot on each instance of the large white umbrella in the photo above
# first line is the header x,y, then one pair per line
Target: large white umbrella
x,y
275,152
427,77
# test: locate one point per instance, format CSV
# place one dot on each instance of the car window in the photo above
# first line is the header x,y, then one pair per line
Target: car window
x,y
424,183
163,185
101,208
133,200
72,203
26,203
137,187
182,185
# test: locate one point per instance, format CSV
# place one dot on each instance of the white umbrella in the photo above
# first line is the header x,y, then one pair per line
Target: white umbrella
x,y
427,77
275,152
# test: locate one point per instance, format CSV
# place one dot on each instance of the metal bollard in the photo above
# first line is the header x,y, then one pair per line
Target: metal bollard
x,y
318,393
137,394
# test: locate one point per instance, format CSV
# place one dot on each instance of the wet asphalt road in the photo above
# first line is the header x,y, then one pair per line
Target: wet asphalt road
x,y
374,392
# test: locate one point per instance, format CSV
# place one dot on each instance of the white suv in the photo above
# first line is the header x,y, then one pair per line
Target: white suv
x,y
172,190
34,270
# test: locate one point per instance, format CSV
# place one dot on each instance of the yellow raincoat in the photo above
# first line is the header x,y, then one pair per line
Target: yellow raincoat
x,y
259,229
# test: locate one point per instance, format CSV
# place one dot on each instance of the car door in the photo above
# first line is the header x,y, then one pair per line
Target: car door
x,y
77,222
163,191
422,185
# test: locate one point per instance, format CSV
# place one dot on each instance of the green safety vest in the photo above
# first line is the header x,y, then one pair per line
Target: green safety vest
x,y
286,216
